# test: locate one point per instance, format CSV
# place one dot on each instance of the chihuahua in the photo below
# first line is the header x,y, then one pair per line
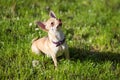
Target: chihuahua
x,y
53,45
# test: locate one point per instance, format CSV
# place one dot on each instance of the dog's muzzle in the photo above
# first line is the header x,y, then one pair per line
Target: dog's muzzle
x,y
60,22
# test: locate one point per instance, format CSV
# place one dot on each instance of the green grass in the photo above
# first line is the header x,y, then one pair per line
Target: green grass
x,y
92,29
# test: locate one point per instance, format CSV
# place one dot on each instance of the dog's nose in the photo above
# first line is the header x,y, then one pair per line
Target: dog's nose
x,y
60,22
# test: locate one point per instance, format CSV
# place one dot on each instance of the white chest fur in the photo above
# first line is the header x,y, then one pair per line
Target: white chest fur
x,y
57,36
59,50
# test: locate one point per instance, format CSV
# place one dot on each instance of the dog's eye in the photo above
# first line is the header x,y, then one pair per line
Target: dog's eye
x,y
52,23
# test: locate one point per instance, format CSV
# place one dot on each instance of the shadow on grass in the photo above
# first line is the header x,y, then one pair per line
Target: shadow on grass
x,y
82,55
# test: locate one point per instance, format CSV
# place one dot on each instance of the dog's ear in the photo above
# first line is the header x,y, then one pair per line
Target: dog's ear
x,y
52,14
41,25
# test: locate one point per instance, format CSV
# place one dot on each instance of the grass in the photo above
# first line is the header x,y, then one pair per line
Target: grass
x,y
92,28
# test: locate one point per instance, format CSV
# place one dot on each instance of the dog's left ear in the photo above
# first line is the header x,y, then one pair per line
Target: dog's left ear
x,y
41,25
52,14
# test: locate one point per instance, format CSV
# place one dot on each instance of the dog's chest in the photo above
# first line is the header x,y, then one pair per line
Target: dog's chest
x,y
57,47
59,50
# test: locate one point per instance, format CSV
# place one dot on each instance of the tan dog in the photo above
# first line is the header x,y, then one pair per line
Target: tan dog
x,y
54,44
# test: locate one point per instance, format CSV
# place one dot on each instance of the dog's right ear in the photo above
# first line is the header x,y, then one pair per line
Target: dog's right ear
x,y
41,25
52,14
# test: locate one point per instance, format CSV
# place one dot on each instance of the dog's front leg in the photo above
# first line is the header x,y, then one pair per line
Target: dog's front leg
x,y
54,60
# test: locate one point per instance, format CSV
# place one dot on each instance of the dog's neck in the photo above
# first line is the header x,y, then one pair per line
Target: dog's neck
x,y
55,36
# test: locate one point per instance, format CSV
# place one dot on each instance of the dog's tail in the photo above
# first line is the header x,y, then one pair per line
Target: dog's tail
x,y
33,40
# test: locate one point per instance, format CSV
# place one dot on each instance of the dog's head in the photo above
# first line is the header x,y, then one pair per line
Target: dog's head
x,y
52,24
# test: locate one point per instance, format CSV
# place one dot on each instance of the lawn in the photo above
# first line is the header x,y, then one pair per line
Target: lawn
x,y
92,29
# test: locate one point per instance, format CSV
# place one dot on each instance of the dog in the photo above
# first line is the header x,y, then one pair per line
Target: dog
x,y
53,45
